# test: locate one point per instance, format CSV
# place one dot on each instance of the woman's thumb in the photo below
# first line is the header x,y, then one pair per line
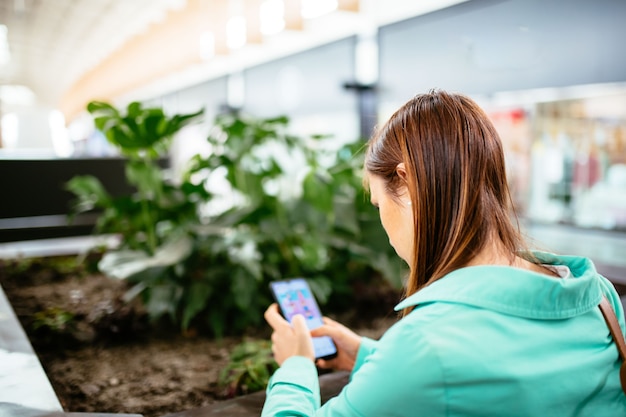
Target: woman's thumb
x,y
324,330
299,325
304,341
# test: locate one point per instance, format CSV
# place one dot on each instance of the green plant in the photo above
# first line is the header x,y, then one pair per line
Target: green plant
x,y
24,270
249,370
60,265
156,219
55,320
159,209
19,265
292,209
306,218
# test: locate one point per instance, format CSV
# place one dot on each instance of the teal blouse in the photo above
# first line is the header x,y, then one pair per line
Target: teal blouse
x,y
481,341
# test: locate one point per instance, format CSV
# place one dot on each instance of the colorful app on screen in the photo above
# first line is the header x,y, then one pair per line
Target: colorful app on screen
x,y
294,297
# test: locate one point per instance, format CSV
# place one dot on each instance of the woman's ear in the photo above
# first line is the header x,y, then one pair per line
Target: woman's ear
x,y
401,171
403,190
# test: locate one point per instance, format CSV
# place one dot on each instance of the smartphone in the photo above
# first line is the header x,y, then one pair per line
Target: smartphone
x,y
294,296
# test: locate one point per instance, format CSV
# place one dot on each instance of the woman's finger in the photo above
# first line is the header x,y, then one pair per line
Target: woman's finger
x,y
335,332
274,318
299,325
329,321
304,343
324,364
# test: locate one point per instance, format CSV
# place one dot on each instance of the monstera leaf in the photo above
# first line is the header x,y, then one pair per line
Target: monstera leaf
x,y
140,129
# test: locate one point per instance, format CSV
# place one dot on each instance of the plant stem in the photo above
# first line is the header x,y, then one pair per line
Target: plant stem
x,y
151,237
145,212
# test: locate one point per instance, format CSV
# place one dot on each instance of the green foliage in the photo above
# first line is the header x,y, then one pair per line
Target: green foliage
x,y
315,221
296,209
249,370
18,266
156,220
140,132
43,268
159,210
55,320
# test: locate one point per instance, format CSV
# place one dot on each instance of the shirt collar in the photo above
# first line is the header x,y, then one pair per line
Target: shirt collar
x,y
518,291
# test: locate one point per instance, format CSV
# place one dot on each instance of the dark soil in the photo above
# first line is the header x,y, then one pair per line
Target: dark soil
x,y
103,356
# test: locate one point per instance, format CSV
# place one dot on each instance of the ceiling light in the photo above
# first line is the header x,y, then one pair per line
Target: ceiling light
x,y
61,143
176,4
236,92
5,53
366,60
236,32
10,130
316,8
207,46
18,95
272,17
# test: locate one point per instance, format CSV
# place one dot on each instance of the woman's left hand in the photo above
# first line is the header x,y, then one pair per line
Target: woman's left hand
x,y
289,339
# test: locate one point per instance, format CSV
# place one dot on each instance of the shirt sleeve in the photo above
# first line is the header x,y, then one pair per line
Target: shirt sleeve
x,y
293,390
395,379
367,347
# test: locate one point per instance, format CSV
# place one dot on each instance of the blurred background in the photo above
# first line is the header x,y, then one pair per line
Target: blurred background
x,y
550,73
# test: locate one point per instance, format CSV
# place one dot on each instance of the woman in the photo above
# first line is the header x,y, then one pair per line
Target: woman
x,y
488,329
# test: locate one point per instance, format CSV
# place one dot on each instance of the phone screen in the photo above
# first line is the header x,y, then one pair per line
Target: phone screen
x,y
295,297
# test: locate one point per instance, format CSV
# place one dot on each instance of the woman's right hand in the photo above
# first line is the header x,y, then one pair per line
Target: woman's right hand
x,y
347,342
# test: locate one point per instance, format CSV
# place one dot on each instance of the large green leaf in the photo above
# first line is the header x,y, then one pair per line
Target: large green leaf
x,y
101,107
120,136
134,109
147,177
140,129
322,288
181,120
318,191
243,287
196,300
346,215
104,123
89,191
163,298
127,264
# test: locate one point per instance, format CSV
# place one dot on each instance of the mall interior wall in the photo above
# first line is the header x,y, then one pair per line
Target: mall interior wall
x,y
488,46
478,47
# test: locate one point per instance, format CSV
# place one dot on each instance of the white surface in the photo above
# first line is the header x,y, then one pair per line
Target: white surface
x,y
21,382
55,247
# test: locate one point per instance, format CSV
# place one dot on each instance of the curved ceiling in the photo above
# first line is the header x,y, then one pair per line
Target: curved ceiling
x,y
52,43
70,51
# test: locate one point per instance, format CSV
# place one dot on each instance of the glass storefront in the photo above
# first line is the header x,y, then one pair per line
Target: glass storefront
x,y
566,157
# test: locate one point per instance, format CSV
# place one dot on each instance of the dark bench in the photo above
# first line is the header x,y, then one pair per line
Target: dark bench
x,y
35,203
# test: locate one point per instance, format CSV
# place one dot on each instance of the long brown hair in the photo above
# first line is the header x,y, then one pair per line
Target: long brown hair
x,y
456,180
